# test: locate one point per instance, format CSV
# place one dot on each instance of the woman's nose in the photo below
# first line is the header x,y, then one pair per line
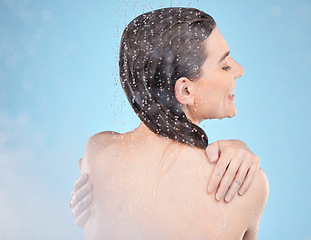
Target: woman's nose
x,y
238,70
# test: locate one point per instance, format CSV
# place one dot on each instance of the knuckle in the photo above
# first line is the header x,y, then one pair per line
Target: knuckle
x,y
241,151
81,203
215,179
238,182
248,154
88,187
252,171
79,193
231,171
74,212
221,166
226,181
236,141
90,198
74,199
230,150
221,143
75,185
239,177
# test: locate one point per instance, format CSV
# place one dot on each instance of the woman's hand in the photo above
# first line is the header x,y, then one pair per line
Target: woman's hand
x,y
81,198
235,169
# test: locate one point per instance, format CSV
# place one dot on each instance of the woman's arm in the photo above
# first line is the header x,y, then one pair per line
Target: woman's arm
x,y
235,169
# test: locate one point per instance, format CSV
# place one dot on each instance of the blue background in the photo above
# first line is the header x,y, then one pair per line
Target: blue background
x,y
59,85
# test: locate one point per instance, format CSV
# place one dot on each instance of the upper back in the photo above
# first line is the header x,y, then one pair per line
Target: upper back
x,y
144,188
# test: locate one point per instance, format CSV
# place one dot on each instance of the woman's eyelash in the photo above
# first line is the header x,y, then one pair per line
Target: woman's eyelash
x,y
226,68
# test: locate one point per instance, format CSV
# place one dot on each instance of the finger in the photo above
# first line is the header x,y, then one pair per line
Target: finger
x,y
227,179
80,163
238,180
81,193
82,206
81,220
249,178
212,151
70,204
218,171
80,181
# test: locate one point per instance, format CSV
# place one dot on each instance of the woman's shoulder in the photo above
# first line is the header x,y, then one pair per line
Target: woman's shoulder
x,y
258,191
253,203
98,148
248,208
103,137
255,198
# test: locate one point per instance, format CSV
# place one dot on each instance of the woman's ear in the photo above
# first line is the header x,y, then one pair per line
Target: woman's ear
x,y
184,91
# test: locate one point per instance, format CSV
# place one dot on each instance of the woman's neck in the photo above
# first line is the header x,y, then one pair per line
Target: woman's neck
x,y
142,131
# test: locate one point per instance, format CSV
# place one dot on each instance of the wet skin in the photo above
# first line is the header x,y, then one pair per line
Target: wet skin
x,y
142,195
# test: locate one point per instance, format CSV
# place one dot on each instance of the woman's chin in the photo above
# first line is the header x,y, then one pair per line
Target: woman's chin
x,y
235,112
221,115
231,115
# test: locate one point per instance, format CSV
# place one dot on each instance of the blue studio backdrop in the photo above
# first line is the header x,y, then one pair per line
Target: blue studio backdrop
x,y
59,85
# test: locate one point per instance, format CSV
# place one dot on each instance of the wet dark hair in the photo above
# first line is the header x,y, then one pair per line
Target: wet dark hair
x,y
157,48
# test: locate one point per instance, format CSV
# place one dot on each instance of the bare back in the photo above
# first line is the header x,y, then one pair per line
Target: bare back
x,y
146,187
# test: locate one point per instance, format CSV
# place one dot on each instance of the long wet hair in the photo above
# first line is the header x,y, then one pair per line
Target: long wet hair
x,y
157,48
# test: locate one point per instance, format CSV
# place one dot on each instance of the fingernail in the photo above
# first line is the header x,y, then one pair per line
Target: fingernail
x,y
219,197
241,191
228,198
213,157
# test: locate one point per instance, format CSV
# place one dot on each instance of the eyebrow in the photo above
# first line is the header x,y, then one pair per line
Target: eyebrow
x,y
224,56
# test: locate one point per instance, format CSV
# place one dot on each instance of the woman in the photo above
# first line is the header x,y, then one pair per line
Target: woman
x,y
150,183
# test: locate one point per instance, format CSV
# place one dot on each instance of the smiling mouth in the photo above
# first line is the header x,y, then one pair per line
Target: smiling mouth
x,y
231,95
